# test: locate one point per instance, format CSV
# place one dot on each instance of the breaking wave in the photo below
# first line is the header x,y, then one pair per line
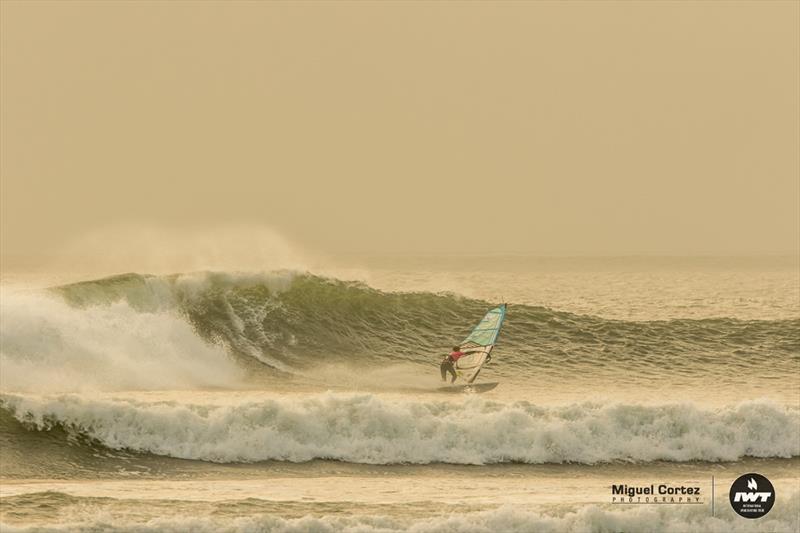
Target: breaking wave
x,y
371,429
289,318
206,330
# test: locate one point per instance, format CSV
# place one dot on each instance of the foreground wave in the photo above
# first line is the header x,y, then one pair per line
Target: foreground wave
x,y
372,429
508,519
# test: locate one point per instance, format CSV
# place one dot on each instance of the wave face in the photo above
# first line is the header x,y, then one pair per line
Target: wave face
x,y
289,321
372,429
509,519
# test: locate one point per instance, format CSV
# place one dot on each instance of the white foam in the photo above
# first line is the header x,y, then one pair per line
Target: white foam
x,y
380,430
48,345
506,519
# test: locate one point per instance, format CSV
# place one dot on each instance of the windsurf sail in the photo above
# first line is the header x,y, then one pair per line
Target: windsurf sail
x,y
480,342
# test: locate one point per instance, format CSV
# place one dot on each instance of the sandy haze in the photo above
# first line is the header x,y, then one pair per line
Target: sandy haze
x,y
547,128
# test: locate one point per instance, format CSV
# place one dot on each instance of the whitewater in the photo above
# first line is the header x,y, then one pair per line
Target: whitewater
x,y
295,400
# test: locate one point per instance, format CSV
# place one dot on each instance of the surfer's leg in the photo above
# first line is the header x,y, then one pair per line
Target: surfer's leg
x,y
443,368
452,371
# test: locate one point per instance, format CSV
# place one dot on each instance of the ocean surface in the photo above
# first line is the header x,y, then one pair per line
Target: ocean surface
x,y
307,400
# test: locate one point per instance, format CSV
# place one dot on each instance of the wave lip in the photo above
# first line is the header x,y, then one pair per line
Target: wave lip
x,y
374,430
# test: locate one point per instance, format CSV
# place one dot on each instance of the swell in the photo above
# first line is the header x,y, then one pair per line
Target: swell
x,y
291,320
371,429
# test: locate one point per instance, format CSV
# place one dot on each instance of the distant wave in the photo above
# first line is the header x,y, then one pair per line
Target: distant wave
x,y
372,429
784,518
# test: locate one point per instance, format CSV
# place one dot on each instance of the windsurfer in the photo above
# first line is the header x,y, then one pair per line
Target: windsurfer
x,y
449,362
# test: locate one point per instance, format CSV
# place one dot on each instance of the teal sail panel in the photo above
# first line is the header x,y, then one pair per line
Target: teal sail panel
x,y
479,344
487,330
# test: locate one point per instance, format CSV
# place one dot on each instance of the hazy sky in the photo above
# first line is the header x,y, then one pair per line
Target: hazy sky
x,y
406,127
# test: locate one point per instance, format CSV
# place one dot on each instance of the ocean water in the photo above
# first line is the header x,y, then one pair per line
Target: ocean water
x,y
308,401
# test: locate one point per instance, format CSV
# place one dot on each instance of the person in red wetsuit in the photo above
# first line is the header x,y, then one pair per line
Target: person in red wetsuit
x,y
449,363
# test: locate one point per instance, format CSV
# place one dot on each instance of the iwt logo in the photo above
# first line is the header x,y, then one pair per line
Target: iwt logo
x,y
752,495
